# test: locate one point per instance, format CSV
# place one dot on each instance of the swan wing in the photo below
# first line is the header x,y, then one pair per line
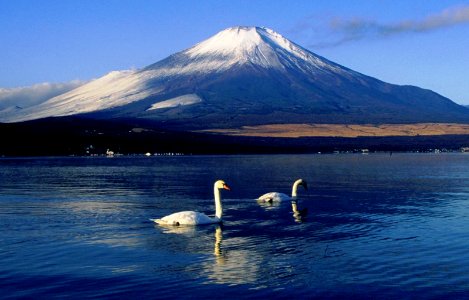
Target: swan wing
x,y
186,218
273,197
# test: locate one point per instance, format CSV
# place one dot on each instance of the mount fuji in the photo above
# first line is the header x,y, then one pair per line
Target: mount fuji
x,y
246,76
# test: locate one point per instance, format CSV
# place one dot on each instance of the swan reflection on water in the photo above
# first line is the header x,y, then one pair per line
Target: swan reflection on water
x,y
298,214
268,205
238,265
181,229
229,261
218,251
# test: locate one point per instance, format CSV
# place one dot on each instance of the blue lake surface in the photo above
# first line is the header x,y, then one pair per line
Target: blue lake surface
x,y
377,226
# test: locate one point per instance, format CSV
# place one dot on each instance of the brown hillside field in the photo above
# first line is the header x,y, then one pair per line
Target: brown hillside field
x,y
337,130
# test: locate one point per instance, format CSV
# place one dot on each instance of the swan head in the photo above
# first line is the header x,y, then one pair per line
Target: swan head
x,y
303,183
220,184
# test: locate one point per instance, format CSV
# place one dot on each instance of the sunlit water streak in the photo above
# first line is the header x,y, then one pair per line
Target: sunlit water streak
x,y
377,225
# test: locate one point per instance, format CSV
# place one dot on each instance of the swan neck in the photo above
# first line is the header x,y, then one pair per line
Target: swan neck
x,y
218,205
294,190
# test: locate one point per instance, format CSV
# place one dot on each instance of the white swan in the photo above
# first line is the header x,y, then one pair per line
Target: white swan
x,y
197,218
274,196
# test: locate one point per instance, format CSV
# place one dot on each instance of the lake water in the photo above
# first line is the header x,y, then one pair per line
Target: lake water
x,y
377,226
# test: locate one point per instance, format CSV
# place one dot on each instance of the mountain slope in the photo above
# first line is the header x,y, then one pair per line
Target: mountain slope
x,y
248,76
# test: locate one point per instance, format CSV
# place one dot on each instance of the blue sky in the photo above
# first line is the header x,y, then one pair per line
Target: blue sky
x,y
422,43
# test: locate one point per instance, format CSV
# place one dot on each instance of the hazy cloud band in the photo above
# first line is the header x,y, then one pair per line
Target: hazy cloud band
x,y
32,95
358,29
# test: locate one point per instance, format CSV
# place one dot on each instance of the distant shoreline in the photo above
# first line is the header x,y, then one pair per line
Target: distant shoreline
x,y
143,156
86,137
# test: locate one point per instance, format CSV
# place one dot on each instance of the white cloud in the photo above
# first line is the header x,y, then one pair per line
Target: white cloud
x,y
33,95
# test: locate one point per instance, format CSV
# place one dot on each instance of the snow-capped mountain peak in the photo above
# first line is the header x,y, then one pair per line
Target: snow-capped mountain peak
x,y
242,40
258,45
228,41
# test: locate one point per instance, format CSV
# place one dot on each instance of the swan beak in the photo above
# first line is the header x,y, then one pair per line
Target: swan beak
x,y
226,187
305,185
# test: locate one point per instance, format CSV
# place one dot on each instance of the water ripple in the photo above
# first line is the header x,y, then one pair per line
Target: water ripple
x,y
376,226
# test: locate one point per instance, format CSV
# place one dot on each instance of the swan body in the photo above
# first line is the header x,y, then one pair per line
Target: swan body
x,y
194,217
187,218
276,197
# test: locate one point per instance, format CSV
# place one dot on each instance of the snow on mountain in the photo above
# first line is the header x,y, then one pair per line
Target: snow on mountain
x,y
260,46
178,101
237,46
114,89
233,46
12,99
246,75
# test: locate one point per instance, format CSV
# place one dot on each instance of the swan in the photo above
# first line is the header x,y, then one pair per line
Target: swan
x,y
274,196
197,218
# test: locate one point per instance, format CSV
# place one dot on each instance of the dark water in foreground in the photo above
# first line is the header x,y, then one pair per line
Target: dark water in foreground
x,y
377,226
